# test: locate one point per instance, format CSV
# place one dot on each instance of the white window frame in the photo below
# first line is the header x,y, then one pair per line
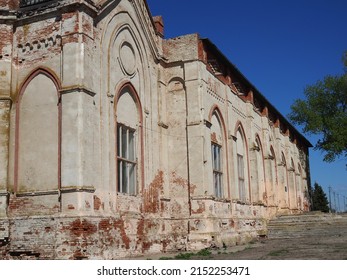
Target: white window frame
x,y
126,160
217,167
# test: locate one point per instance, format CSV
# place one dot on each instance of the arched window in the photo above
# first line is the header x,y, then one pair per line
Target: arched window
x,y
242,173
128,136
217,154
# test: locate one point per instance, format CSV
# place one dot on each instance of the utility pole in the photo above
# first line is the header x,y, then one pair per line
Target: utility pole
x,y
330,199
338,203
335,201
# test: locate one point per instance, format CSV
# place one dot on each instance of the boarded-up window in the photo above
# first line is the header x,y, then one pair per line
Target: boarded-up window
x,y
38,136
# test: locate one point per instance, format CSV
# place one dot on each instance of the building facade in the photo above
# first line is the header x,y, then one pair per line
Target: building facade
x,y
115,141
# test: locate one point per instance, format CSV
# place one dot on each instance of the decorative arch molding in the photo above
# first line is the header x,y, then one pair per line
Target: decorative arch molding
x,y
114,26
145,21
52,78
39,70
216,110
176,84
118,92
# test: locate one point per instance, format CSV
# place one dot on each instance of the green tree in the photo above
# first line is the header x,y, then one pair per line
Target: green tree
x,y
324,113
319,199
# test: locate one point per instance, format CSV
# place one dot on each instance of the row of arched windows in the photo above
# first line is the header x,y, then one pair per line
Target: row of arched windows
x,y
258,178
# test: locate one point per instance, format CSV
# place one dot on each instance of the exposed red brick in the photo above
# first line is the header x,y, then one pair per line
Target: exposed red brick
x,y
182,182
201,209
82,228
97,203
159,25
119,224
10,4
152,194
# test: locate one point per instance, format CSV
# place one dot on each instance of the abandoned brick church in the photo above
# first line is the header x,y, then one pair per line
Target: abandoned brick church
x,y
115,141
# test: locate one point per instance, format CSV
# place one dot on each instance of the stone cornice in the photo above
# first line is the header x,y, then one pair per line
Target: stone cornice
x,y
77,88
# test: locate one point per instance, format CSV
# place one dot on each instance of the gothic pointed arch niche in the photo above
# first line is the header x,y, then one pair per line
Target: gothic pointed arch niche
x,y
299,186
273,178
257,172
292,185
284,188
38,134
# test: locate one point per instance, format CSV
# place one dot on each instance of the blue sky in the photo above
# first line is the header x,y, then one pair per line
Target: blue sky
x,y
280,46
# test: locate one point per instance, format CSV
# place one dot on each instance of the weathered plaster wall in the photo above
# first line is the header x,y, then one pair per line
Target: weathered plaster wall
x,y
86,56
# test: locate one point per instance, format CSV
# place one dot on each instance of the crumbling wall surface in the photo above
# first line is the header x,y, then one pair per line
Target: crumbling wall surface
x,y
4,237
4,138
85,237
9,4
84,216
181,48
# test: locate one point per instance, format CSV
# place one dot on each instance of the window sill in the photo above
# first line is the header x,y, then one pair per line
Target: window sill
x,y
210,197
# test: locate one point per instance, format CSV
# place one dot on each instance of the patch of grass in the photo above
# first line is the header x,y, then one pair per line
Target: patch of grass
x,y
278,253
165,258
184,256
204,253
187,256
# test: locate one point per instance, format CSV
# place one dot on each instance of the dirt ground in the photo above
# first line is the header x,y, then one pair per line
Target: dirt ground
x,y
305,248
